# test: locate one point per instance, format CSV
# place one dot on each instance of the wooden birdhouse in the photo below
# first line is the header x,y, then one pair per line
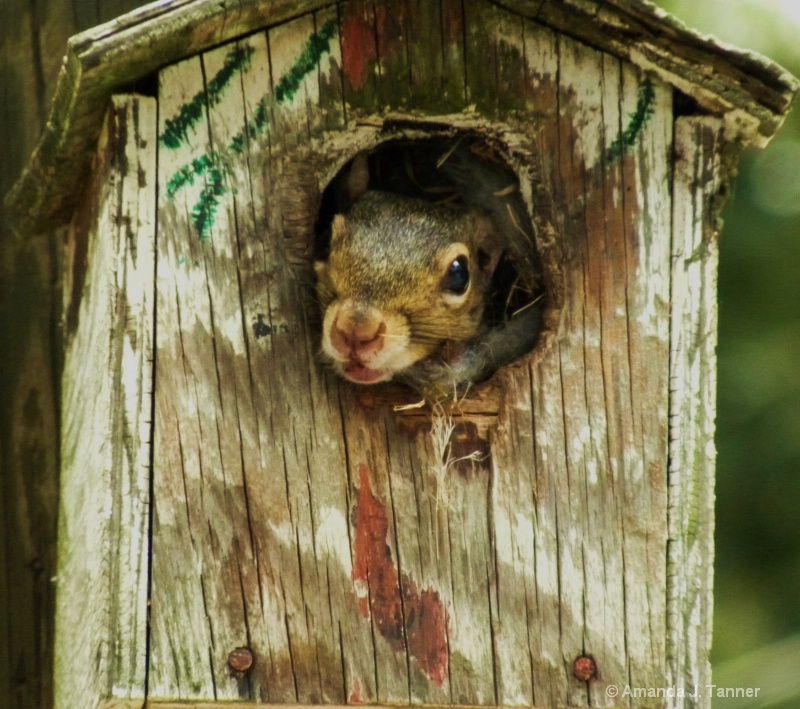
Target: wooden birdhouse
x,y
238,523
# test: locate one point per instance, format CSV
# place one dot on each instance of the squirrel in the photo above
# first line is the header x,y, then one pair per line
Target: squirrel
x,y
419,289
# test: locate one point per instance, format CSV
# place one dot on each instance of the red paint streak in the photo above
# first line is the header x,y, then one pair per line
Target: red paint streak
x,y
355,695
358,44
426,630
378,587
373,569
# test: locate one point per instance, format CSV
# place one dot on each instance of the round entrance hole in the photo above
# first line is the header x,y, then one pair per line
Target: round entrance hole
x,y
428,271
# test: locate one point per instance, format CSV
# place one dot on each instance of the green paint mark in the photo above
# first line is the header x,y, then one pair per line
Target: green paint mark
x,y
186,175
318,45
638,120
177,129
206,208
212,166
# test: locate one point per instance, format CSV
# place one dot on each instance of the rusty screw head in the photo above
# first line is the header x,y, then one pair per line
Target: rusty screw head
x,y
585,668
240,660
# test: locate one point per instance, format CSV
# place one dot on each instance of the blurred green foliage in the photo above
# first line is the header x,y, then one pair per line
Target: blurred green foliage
x,y
757,583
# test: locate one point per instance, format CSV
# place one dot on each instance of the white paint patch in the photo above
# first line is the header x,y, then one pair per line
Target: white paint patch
x,y
580,441
523,405
515,541
284,532
572,580
543,439
502,530
361,589
592,338
547,573
591,469
331,538
588,95
231,327
524,536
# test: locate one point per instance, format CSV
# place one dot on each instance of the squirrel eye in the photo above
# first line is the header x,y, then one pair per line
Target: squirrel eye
x,y
457,278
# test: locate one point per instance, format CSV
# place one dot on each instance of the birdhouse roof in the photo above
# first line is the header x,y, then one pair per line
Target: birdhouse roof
x,y
752,93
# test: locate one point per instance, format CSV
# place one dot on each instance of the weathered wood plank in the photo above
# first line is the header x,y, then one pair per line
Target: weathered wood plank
x,y
392,38
405,54
648,107
262,580
495,76
517,595
304,499
293,96
398,577
181,664
105,483
426,47
454,91
587,527
331,111
697,180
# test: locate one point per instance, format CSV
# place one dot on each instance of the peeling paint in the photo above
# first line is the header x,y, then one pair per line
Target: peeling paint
x,y
409,620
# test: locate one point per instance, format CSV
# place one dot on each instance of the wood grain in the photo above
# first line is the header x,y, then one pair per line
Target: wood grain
x,y
101,612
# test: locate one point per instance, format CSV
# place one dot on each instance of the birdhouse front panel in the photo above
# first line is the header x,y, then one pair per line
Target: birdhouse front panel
x,y
507,547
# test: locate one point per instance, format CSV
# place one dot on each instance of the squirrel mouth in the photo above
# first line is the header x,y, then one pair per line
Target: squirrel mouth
x,y
361,374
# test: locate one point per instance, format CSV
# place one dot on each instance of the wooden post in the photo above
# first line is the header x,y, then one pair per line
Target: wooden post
x,y
545,541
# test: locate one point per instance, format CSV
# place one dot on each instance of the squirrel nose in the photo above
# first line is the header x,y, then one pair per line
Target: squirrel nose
x,y
358,336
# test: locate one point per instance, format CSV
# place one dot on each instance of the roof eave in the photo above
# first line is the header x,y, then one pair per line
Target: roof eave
x,y
752,93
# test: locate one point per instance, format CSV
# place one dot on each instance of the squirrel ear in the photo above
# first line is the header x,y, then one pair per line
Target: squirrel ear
x,y
358,179
338,229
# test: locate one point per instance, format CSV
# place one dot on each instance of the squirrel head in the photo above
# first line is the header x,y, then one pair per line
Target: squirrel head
x,y
405,279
